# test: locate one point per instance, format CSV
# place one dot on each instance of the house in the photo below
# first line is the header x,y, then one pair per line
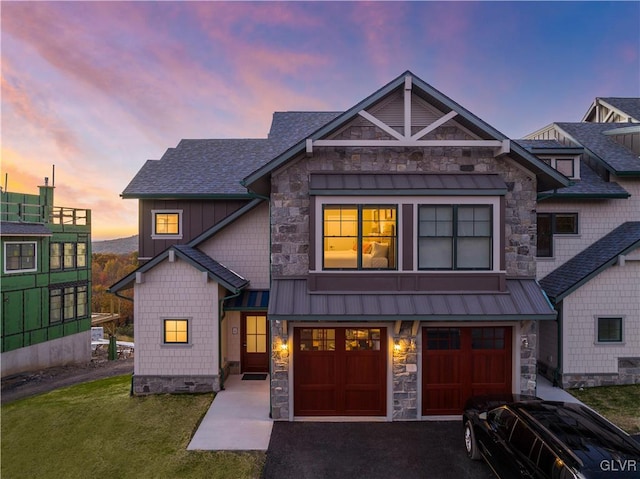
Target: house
x,y
46,282
377,262
589,246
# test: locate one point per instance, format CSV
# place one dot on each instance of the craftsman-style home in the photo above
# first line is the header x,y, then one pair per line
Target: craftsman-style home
x,y
375,262
588,250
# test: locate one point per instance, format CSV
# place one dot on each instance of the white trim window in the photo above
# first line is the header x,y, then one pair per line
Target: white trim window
x,y
609,330
166,224
20,257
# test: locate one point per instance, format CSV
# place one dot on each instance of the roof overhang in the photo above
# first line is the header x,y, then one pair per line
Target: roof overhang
x,y
38,230
523,300
487,136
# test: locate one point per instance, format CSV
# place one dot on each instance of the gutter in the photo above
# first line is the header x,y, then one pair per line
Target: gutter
x,y
221,315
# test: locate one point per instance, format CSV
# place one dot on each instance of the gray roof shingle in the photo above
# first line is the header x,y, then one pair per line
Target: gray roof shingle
x,y
218,270
590,262
214,167
592,136
8,228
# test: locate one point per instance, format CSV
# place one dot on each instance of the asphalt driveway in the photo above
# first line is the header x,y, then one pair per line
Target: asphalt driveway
x,y
406,450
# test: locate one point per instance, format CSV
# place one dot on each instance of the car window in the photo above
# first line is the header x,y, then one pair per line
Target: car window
x,y
522,438
502,421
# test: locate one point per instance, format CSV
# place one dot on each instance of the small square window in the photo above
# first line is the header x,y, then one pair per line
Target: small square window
x,y
167,224
176,331
609,330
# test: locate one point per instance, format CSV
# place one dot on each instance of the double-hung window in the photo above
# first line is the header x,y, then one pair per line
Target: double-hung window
x,y
167,224
455,237
20,257
359,237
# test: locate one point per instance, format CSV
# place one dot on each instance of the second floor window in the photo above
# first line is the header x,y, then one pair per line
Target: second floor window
x,y
455,237
550,224
67,256
167,224
20,257
359,236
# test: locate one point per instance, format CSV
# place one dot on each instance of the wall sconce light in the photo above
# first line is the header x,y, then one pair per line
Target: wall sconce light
x,y
525,342
284,346
397,346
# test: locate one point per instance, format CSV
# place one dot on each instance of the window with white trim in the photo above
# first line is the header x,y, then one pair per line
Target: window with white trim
x,y
609,330
20,257
167,224
455,237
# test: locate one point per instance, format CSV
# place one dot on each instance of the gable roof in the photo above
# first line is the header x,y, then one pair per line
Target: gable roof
x,y
196,258
626,106
257,180
597,140
213,168
592,261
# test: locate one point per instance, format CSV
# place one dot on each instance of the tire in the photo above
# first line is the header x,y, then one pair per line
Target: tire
x,y
470,442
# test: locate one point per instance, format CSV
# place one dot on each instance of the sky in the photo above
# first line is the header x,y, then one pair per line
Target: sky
x,y
98,88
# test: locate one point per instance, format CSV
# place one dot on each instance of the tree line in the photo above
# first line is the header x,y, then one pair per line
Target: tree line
x,y
106,270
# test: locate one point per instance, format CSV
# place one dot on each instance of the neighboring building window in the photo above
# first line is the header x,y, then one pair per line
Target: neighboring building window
x,y
69,255
609,330
569,167
68,303
81,255
167,224
359,236
55,305
20,257
176,331
55,256
455,237
549,224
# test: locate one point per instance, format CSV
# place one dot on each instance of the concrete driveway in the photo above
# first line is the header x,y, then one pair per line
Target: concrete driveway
x,y
405,450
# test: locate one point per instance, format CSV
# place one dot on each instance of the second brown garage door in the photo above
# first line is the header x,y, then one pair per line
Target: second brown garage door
x,y
340,371
461,362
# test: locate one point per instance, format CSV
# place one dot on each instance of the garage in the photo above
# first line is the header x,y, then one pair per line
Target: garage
x,y
340,371
461,362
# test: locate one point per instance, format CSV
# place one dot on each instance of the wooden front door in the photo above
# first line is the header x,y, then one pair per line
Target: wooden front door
x,y
255,343
458,363
340,371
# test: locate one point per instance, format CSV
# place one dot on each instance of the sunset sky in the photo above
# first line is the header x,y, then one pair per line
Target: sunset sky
x,y
98,88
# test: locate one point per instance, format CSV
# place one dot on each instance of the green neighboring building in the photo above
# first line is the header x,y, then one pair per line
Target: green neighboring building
x,y
46,282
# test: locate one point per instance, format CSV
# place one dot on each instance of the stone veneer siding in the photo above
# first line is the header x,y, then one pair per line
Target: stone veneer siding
x,y
290,208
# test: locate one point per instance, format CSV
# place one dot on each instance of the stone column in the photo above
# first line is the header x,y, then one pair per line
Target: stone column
x,y
405,374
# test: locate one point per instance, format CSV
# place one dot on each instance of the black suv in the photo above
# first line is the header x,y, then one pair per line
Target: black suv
x,y
530,438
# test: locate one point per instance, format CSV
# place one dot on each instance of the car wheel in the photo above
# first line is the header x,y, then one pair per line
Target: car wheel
x,y
470,442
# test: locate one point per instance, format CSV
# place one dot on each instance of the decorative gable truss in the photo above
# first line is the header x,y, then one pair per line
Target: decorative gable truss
x,y
408,120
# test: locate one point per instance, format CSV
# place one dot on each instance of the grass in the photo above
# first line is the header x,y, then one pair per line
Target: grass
x,y
97,430
619,404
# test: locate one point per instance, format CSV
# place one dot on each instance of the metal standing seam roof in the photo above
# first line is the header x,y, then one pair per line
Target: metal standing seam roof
x,y
523,299
593,137
8,228
249,300
591,261
407,183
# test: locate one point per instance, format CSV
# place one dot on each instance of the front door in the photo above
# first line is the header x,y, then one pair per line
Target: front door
x,y
255,341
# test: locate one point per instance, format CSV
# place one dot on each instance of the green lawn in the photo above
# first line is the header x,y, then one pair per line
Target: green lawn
x,y
97,430
619,404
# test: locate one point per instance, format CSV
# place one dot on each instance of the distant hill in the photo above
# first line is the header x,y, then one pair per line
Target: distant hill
x,y
116,246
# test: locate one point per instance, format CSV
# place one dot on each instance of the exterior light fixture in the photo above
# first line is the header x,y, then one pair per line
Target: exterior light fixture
x,y
284,346
396,346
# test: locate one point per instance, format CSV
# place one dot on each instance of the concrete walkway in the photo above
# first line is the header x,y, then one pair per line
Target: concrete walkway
x,y
238,419
545,390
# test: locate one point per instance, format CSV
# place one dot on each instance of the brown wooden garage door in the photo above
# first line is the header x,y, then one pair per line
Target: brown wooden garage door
x,y
340,371
461,362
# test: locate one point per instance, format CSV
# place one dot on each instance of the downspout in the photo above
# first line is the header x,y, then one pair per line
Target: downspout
x,y
558,370
221,314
